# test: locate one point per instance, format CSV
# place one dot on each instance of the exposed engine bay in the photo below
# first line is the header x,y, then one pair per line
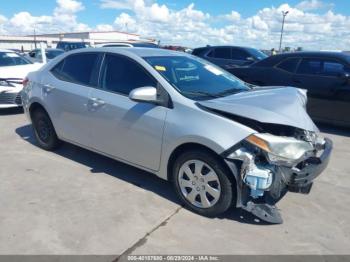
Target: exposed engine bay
x,y
267,171
286,152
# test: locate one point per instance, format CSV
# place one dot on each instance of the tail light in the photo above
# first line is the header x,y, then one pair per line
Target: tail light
x,y
25,82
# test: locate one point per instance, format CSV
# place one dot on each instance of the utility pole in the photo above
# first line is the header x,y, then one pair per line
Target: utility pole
x,y
34,38
284,14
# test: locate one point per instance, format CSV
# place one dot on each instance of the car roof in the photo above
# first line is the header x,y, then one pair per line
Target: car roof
x,y
227,46
314,54
138,51
7,51
48,49
272,60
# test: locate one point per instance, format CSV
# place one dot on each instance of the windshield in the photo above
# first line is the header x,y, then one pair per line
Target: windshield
x,y
195,78
12,59
257,53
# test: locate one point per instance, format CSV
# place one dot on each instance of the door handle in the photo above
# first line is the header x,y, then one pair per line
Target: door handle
x,y
48,88
96,102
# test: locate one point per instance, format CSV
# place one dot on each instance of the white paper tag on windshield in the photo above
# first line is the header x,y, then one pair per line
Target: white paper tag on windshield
x,y
214,70
11,55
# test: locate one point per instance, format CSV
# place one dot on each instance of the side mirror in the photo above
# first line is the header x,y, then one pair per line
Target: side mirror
x,y
144,94
345,77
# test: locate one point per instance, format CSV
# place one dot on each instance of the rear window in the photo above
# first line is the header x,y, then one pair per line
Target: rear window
x,y
310,66
77,68
12,59
289,64
198,51
222,52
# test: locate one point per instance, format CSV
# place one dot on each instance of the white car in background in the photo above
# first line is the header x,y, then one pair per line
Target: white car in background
x,y
13,69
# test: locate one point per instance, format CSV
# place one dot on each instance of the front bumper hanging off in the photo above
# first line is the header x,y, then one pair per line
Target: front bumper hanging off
x,y
297,179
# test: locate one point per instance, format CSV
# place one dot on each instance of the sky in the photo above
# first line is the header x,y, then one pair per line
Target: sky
x,y
311,24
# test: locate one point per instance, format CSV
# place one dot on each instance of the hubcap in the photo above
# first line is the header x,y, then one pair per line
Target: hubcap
x,y
199,183
43,130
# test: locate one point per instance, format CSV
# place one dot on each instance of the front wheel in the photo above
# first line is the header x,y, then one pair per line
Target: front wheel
x,y
203,183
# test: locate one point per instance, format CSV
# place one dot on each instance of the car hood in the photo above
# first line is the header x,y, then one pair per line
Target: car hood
x,y
19,71
274,105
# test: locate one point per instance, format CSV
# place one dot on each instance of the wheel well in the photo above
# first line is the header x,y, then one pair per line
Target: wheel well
x,y
35,106
187,147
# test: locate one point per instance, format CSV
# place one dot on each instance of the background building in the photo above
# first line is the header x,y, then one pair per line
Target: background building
x,y
50,40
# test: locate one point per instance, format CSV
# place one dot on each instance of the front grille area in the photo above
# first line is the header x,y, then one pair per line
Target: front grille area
x,y
8,98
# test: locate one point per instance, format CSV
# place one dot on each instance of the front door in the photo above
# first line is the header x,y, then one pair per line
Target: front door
x,y
128,130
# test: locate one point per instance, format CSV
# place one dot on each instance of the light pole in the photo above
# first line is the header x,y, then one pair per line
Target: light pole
x,y
34,37
284,13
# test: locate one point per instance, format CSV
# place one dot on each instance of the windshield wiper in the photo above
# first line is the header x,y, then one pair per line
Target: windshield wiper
x,y
229,92
202,93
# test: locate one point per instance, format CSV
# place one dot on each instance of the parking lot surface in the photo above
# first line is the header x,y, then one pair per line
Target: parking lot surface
x,y
73,201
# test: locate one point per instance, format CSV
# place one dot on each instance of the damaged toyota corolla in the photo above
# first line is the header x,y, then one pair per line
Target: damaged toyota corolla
x,y
221,142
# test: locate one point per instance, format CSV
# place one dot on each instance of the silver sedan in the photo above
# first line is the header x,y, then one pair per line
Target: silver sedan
x,y
221,142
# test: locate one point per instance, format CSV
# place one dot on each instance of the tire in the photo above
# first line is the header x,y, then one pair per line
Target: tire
x,y
191,190
44,131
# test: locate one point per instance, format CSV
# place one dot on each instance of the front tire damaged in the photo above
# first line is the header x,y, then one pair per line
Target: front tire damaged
x,y
261,184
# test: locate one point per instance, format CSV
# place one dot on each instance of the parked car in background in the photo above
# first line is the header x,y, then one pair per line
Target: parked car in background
x,y
13,69
229,56
220,142
325,76
128,44
67,46
36,56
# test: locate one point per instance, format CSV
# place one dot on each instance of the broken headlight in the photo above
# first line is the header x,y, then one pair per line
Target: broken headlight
x,y
281,150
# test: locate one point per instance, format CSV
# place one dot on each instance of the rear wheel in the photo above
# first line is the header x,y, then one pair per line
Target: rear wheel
x,y
44,131
203,183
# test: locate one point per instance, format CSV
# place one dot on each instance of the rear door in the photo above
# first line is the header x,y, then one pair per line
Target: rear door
x,y
122,128
279,75
65,92
324,87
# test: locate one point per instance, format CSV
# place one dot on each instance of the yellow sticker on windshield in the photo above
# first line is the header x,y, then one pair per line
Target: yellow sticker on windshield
x,y
160,68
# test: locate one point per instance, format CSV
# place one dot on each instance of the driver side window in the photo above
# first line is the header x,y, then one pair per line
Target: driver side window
x,y
121,75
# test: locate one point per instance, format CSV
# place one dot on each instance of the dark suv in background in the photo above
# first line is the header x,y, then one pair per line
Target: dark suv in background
x,y
67,46
229,56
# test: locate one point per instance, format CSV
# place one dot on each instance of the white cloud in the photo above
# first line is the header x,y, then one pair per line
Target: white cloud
x,y
64,18
112,4
192,27
312,5
233,16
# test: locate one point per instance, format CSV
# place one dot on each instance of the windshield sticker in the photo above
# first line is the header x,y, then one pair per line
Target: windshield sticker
x,y
11,55
160,68
213,70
